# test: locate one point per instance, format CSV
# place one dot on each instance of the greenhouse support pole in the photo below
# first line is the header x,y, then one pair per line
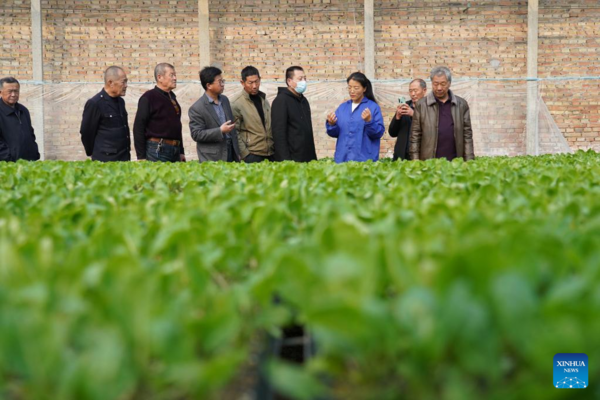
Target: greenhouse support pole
x,y
533,139
204,33
37,53
369,40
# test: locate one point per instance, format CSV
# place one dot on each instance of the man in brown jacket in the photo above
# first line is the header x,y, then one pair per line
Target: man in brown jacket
x,y
252,114
441,126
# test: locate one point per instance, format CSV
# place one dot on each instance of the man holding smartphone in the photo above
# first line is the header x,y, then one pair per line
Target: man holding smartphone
x,y
211,121
402,121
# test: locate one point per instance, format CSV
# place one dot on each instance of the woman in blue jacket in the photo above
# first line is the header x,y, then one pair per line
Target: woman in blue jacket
x,y
357,123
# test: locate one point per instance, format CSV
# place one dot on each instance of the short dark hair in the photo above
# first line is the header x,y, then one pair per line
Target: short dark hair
x,y
8,79
289,73
422,83
208,75
249,71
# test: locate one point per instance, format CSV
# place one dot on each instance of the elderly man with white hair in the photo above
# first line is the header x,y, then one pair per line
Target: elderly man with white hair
x,y
441,126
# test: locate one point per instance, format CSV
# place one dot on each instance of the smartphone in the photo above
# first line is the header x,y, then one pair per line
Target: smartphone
x,y
402,100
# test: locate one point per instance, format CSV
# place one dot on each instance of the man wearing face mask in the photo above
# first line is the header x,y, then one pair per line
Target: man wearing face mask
x,y
291,120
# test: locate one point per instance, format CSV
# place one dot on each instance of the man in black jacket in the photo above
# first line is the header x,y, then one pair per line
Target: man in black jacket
x,y
104,127
291,121
402,120
17,140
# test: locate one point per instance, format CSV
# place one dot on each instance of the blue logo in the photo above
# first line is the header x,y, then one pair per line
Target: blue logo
x,y
571,371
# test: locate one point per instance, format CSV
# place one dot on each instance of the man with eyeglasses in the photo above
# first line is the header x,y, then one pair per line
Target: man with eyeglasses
x,y
253,119
17,140
104,127
157,130
441,126
212,124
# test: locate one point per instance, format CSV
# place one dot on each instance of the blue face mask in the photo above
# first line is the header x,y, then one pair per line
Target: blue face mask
x,y
301,87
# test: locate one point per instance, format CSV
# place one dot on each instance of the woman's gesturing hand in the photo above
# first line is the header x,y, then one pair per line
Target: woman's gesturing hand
x,y
366,115
331,118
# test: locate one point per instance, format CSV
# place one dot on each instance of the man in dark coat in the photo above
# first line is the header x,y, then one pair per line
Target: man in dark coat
x,y
17,140
402,120
291,120
104,127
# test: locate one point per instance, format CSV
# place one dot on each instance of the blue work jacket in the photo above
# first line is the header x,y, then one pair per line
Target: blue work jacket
x,y
356,139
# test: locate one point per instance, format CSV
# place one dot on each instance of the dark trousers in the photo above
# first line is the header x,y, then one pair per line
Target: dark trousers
x,y
401,148
230,152
253,158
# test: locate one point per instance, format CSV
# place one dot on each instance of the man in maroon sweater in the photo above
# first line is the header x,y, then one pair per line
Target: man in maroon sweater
x,y
157,130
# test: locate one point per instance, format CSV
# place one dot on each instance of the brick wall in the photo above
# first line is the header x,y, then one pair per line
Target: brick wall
x,y
477,39
82,38
324,36
15,39
570,47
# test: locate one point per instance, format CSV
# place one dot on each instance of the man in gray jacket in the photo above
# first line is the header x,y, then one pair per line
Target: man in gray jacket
x,y
441,125
211,120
